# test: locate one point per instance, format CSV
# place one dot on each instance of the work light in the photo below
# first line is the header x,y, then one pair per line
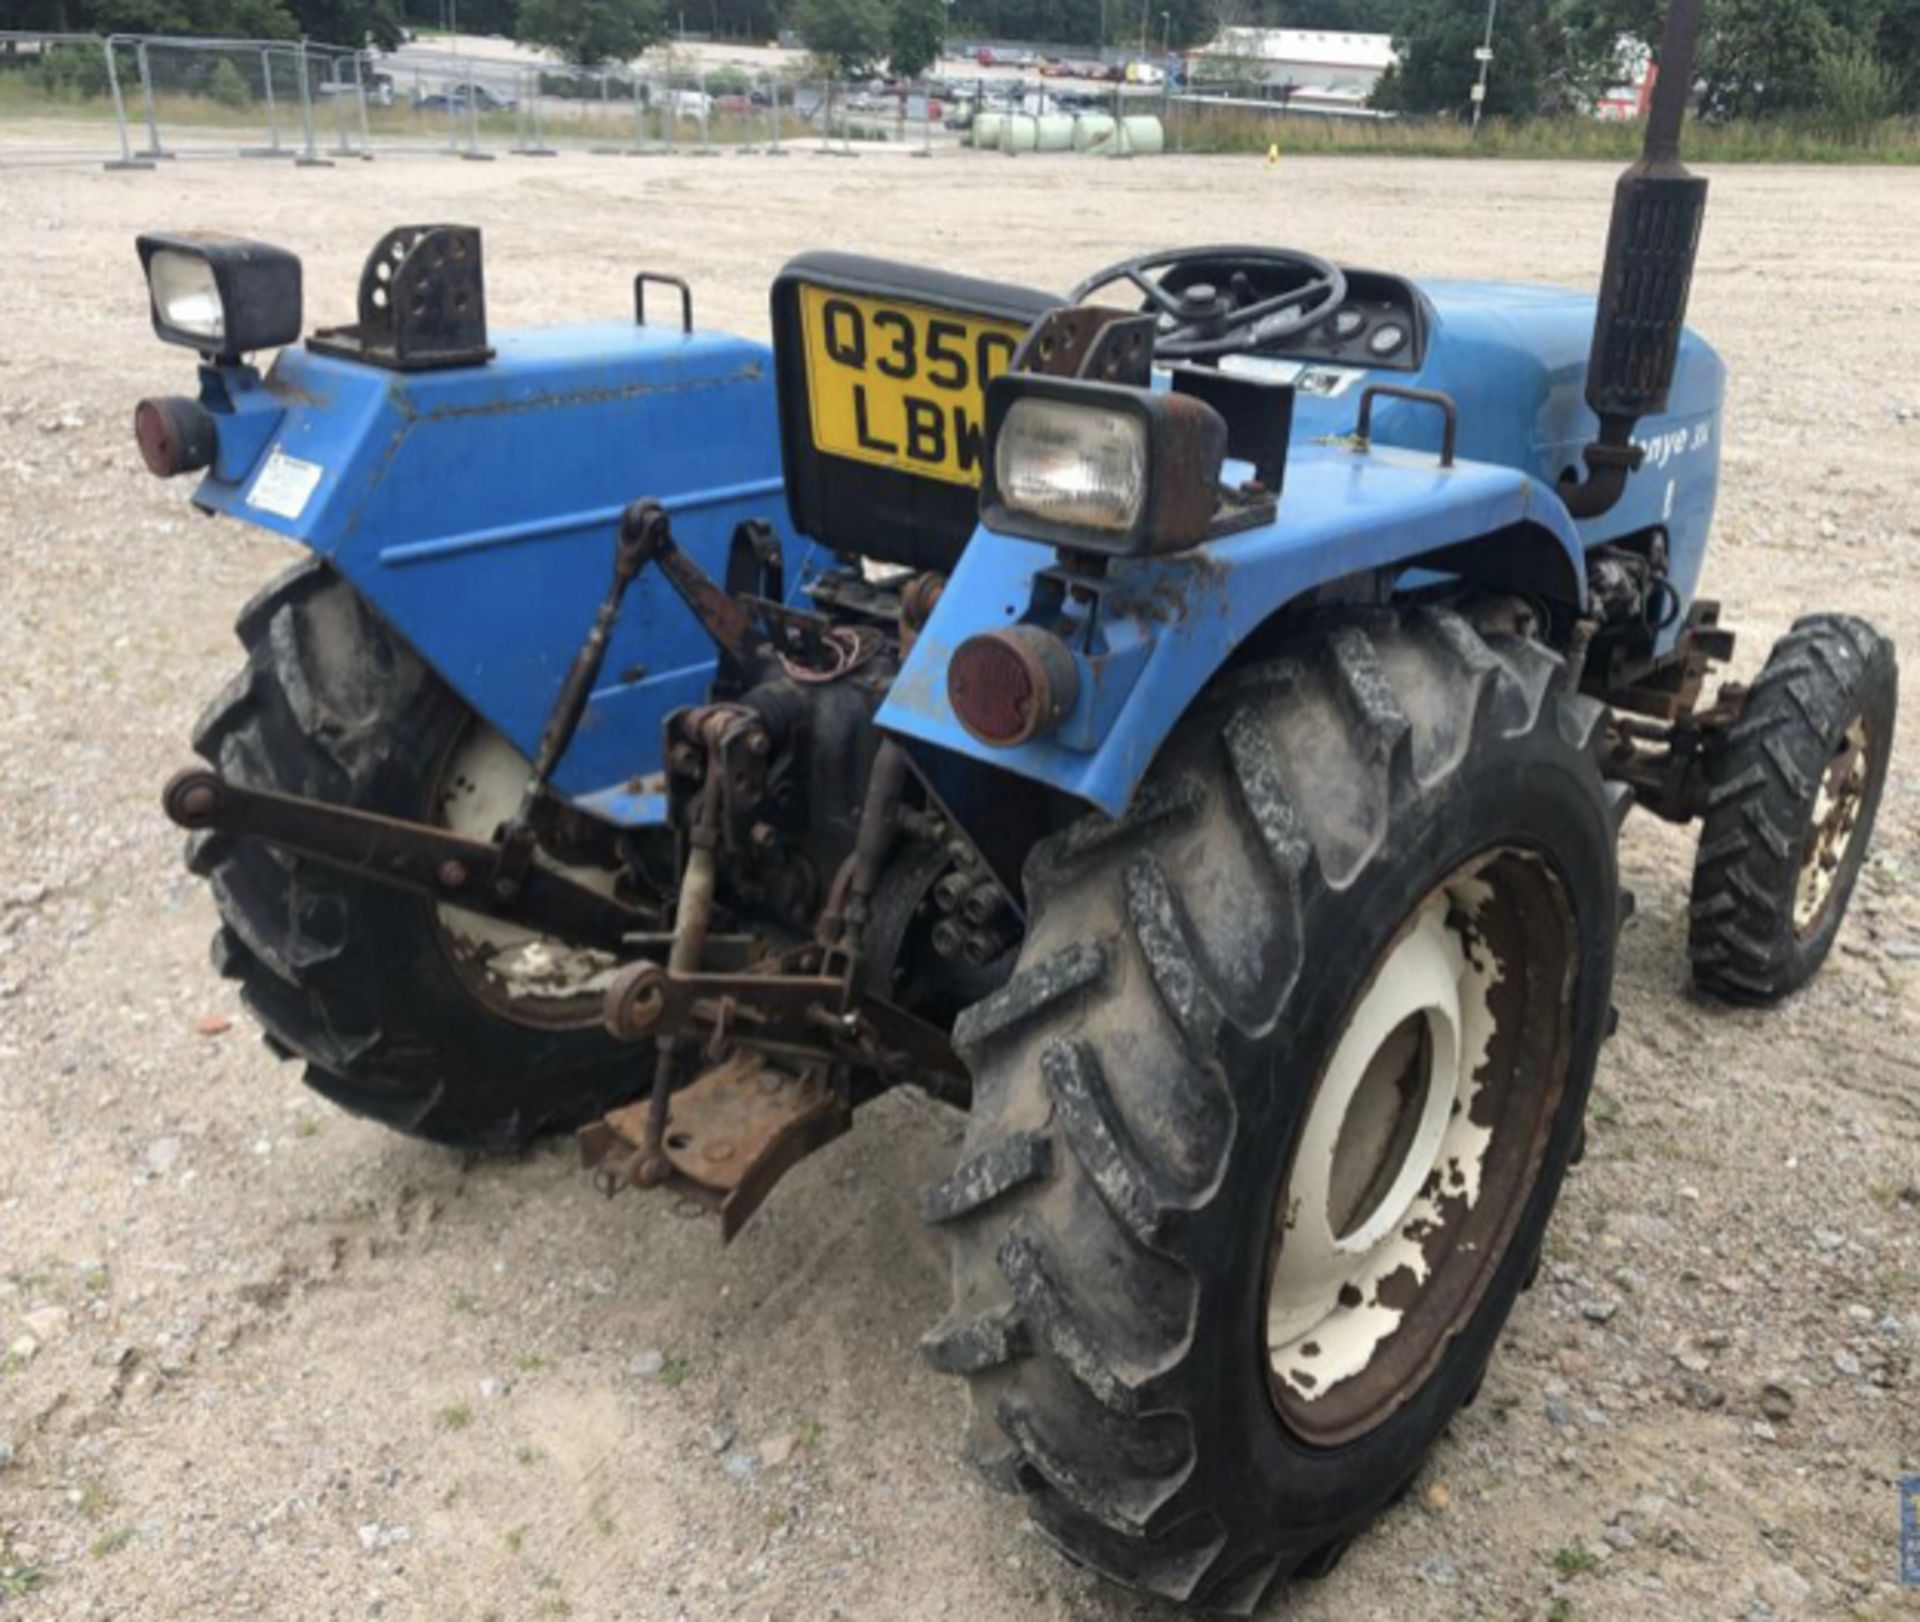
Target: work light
x,y
1099,466
220,295
1077,465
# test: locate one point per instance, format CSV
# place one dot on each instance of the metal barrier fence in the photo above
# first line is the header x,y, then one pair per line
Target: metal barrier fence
x,y
131,102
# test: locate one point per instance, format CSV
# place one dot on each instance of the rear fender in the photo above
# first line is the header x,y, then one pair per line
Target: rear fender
x,y
1165,626
475,508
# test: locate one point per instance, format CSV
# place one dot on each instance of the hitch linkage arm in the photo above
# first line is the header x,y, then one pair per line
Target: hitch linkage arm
x,y
407,856
646,533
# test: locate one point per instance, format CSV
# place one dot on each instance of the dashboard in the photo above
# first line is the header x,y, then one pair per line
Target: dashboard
x,y
1382,325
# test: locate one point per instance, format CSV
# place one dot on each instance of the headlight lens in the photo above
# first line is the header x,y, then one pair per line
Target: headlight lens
x,y
223,296
186,296
1071,464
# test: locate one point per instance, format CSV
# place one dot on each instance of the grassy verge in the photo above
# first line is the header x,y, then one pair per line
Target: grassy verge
x,y
1227,130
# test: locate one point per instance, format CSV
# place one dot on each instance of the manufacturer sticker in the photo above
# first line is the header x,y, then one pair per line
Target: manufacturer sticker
x,y
285,485
1330,382
1261,368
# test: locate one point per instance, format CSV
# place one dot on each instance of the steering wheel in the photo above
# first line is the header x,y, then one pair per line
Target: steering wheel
x,y
1201,320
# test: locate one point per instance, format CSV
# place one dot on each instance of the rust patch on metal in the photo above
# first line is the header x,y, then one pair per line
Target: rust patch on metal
x,y
729,1137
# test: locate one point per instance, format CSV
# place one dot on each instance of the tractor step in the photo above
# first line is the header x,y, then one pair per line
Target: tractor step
x,y
730,1135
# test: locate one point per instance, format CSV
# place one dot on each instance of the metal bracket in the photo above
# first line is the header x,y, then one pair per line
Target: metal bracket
x,y
1087,341
756,566
423,304
1258,415
728,1138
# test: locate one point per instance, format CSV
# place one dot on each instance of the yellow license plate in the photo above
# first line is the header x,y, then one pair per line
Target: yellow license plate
x,y
901,385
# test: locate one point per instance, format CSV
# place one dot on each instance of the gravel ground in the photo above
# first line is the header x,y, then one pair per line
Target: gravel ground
x,y
263,1360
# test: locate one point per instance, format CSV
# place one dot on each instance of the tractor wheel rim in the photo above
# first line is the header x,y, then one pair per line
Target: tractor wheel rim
x,y
1417,1152
517,973
1836,815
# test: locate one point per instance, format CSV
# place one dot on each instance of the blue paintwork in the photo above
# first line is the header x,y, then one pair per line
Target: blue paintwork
x,y
475,509
1513,358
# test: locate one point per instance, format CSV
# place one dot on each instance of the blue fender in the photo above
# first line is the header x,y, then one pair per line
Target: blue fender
x,y
1166,625
475,509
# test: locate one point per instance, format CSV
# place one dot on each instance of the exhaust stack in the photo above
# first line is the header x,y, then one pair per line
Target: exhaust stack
x,y
1658,207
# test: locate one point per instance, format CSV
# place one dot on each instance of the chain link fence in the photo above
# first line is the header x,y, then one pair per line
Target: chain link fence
x,y
133,102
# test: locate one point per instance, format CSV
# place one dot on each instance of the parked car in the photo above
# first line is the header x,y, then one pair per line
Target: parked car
x,y
454,99
687,103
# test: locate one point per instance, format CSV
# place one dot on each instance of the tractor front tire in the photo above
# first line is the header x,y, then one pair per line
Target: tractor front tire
x,y
357,980
1270,1119
1792,793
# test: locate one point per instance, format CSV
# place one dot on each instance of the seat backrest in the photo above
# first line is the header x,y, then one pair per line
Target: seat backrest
x,y
881,371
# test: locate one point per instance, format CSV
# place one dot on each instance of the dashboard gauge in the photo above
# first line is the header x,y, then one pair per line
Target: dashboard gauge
x,y
1388,338
1348,322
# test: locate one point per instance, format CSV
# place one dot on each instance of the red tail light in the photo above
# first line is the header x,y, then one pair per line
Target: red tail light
x,y
1007,687
175,435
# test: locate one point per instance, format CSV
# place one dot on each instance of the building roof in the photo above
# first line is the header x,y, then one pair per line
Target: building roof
x,y
1318,47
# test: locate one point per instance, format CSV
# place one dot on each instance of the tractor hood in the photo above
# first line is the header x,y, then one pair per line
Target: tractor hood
x,y
1514,359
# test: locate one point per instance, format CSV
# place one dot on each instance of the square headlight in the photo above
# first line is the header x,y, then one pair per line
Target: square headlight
x,y
1099,466
223,296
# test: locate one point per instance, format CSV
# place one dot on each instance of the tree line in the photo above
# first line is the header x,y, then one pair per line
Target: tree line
x,y
1851,61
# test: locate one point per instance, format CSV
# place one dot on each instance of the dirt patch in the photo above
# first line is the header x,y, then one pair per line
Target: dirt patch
x,y
270,1361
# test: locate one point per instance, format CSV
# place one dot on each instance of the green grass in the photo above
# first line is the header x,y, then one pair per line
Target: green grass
x,y
1740,141
1575,1560
16,1582
456,1418
112,1542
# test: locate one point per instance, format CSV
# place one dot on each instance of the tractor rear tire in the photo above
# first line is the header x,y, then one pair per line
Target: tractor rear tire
x,y
1392,785
356,979
1792,793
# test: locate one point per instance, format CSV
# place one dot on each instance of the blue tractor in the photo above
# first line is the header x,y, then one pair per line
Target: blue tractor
x,y
1185,724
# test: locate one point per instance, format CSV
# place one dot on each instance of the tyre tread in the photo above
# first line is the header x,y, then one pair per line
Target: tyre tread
x,y
1762,780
